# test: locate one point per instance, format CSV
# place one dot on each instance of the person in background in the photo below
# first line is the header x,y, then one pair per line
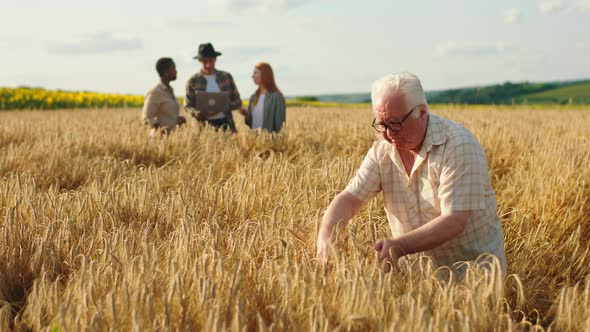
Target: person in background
x,y
267,109
435,183
160,107
210,79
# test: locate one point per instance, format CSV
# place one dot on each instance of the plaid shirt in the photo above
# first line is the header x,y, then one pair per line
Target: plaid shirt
x,y
450,174
226,83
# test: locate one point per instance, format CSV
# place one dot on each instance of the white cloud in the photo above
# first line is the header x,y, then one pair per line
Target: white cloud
x,y
445,48
512,15
303,23
553,6
580,45
583,5
550,6
241,54
452,48
264,5
190,24
101,42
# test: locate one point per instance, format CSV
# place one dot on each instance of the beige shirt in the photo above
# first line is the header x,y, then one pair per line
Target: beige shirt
x,y
450,174
160,106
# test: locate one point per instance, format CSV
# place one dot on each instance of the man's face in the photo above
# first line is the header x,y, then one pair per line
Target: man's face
x,y
171,73
208,65
392,107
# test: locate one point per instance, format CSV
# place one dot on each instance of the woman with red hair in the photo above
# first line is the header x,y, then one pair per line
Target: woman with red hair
x,y
267,108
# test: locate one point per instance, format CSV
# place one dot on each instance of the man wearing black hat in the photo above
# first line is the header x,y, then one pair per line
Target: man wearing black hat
x,y
210,79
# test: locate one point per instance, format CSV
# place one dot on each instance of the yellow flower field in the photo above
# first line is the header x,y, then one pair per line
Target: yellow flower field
x,y
37,98
104,229
41,99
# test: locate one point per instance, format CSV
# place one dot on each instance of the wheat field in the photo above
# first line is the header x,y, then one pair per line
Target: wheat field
x,y
104,229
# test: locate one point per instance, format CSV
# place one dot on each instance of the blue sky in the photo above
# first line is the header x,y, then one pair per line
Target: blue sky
x,y
314,46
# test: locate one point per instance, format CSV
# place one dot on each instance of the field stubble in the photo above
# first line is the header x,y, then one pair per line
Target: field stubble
x,y
104,229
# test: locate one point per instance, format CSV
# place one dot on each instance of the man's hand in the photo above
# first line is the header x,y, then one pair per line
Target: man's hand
x,y
426,237
243,111
386,252
323,247
204,115
201,116
343,207
181,120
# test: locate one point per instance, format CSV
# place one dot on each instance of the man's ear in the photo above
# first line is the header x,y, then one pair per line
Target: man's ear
x,y
423,110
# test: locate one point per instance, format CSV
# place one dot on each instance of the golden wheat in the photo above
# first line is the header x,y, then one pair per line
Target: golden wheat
x,y
105,229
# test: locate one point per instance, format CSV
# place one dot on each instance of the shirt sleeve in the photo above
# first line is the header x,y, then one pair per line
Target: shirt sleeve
x,y
279,112
151,104
464,176
366,184
189,98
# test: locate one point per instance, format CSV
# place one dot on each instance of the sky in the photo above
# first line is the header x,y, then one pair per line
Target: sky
x,y
314,46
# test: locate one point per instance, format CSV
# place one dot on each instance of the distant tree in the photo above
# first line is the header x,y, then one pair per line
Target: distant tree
x,y
504,93
307,98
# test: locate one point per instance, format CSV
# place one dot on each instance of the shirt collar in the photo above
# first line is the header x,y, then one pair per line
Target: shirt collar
x,y
203,73
434,133
163,86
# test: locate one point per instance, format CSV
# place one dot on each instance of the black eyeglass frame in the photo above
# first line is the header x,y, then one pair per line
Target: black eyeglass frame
x,y
387,125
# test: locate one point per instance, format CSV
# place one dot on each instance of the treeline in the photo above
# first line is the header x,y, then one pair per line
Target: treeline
x,y
565,92
511,93
571,92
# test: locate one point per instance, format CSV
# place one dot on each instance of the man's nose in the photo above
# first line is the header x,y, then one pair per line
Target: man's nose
x,y
390,132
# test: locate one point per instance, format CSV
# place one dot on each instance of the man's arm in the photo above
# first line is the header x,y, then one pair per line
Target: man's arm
x,y
342,208
461,190
150,109
426,237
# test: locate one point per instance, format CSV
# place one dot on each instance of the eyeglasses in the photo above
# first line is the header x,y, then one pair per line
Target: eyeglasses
x,y
394,126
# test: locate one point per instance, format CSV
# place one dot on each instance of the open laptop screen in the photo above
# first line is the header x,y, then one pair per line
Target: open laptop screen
x,y
211,101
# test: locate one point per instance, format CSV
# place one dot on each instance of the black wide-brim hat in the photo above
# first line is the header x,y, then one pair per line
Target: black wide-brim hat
x,y
206,51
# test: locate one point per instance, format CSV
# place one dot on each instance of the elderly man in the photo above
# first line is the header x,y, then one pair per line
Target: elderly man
x,y
434,178
210,79
160,107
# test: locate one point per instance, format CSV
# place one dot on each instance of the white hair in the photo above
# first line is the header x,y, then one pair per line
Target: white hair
x,y
406,83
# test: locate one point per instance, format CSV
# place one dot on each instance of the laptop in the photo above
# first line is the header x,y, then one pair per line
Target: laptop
x,y
211,101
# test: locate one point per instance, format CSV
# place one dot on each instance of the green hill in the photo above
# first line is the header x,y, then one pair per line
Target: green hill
x,y
573,94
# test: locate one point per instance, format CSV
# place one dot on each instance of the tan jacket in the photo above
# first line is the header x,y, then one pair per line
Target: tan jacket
x,y
160,106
